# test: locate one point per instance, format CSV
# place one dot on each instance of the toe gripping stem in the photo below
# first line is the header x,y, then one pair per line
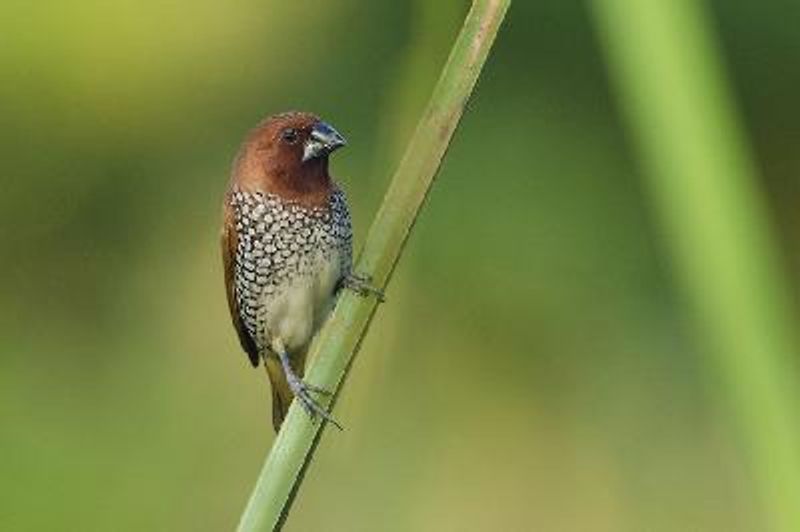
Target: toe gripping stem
x,y
303,390
362,285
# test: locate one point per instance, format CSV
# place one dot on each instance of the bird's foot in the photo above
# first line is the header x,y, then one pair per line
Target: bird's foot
x,y
361,285
302,392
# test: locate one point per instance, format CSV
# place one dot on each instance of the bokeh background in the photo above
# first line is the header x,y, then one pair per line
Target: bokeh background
x,y
534,367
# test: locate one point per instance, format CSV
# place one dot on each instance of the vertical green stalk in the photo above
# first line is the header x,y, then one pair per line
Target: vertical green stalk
x,y
333,349
663,58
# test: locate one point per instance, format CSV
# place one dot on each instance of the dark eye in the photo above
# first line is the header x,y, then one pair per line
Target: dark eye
x,y
289,135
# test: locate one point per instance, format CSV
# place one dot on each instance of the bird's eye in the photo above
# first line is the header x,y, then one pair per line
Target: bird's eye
x,y
289,135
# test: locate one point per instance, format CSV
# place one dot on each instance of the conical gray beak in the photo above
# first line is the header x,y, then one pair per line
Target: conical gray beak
x,y
322,141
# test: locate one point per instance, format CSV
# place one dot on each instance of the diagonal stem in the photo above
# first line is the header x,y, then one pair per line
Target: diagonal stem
x,y
333,350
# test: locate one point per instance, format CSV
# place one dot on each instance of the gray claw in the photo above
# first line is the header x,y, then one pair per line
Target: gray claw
x,y
302,391
361,284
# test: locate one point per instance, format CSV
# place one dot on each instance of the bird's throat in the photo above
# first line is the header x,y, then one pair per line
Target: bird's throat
x,y
308,184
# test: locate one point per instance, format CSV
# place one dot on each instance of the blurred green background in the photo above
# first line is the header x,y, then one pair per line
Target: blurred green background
x,y
534,367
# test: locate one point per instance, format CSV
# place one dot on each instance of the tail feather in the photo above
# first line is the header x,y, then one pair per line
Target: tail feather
x,y
281,393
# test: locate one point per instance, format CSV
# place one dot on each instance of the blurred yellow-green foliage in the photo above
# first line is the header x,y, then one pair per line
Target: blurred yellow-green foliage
x,y
533,368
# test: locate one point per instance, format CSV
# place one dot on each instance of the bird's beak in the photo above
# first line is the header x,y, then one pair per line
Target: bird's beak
x,y
322,141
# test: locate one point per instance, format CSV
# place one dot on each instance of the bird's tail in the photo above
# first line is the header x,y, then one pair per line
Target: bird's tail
x,y
282,394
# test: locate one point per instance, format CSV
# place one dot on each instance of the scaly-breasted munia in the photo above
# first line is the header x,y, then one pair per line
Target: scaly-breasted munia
x,y
286,247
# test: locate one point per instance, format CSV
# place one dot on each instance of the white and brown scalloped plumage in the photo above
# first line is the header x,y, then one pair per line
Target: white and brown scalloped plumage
x,y
286,247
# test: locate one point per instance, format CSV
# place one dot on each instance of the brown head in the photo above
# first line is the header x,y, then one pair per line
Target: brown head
x,y
287,155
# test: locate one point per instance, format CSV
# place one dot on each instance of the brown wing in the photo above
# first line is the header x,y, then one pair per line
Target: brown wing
x,y
229,242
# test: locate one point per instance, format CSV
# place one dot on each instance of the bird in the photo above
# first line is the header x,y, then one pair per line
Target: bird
x,y
287,244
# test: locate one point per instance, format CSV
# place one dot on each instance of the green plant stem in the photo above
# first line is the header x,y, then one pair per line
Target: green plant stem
x,y
332,351
664,59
